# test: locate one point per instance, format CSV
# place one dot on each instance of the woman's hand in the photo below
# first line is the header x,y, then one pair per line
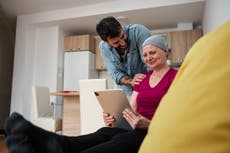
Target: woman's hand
x,y
135,119
108,119
137,78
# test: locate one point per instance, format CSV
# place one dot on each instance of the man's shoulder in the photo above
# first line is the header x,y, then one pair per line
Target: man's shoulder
x,y
134,26
104,47
104,44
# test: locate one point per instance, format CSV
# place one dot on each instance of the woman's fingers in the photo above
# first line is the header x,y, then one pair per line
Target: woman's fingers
x,y
132,117
129,113
108,119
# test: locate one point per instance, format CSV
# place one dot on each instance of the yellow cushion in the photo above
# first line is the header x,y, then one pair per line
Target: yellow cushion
x,y
194,116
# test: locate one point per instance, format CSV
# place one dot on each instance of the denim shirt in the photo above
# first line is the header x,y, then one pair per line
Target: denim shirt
x,y
133,62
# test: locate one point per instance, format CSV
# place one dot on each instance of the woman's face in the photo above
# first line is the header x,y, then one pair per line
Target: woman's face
x,y
154,57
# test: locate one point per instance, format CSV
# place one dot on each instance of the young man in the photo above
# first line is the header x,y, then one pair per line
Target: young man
x,y
121,49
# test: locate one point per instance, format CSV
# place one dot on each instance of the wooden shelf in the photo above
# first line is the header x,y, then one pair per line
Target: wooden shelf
x,y
79,43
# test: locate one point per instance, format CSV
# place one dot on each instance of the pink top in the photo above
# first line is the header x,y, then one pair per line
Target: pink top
x,y
148,98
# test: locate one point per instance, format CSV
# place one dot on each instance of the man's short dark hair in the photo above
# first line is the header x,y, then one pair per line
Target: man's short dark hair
x,y
108,27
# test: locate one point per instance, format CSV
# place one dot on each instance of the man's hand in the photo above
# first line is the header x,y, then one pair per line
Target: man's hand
x,y
135,119
108,119
137,78
125,80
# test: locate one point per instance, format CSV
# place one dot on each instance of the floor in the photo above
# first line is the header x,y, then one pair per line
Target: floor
x,y
2,144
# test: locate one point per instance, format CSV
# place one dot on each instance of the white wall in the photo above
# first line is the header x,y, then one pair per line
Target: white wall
x,y
216,13
45,63
36,63
47,71
23,69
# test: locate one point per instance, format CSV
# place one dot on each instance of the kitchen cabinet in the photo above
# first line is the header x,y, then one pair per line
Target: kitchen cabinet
x,y
192,36
179,43
79,43
99,60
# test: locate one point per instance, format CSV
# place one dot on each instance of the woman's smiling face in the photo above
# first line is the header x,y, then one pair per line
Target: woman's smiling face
x,y
153,56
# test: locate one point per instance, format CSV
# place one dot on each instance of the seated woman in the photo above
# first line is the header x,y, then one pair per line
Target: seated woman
x,y
24,137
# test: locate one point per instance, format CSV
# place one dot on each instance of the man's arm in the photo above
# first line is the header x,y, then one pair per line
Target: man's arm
x,y
111,67
126,80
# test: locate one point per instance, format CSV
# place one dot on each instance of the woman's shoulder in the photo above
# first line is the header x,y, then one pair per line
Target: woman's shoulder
x,y
172,73
148,73
135,28
172,70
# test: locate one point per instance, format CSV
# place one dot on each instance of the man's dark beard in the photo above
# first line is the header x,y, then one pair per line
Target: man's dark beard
x,y
123,48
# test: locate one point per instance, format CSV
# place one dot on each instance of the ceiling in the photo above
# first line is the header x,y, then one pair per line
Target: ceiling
x,y
21,7
153,18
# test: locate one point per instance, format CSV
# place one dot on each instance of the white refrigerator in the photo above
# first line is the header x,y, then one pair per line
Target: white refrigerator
x,y
78,65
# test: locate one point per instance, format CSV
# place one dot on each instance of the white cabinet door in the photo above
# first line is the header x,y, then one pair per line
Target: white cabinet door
x,y
78,65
